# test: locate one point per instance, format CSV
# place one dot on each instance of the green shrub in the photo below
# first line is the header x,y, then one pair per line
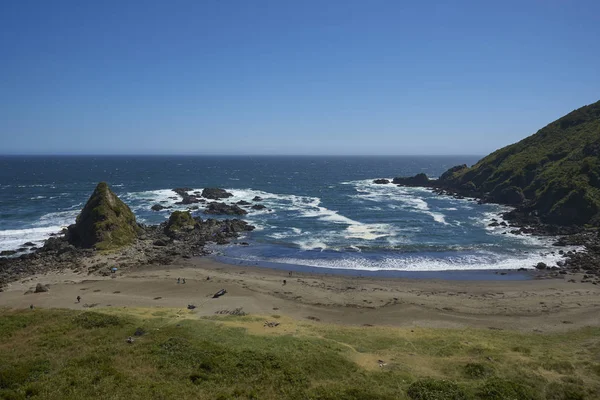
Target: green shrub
x,y
432,389
501,389
478,370
564,391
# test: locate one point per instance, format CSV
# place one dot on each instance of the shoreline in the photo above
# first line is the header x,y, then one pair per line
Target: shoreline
x,y
538,305
447,275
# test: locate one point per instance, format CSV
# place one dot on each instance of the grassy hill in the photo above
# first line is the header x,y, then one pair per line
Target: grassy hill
x,y
554,174
66,354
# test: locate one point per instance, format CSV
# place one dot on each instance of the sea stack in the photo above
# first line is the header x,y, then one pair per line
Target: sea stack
x,y
104,223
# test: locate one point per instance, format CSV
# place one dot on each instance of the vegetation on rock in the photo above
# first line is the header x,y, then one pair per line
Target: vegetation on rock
x,y
105,222
180,221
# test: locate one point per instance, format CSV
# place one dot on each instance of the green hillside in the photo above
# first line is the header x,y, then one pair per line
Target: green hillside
x,y
67,354
554,173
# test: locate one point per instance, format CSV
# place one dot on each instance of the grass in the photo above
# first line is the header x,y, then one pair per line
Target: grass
x,y
60,354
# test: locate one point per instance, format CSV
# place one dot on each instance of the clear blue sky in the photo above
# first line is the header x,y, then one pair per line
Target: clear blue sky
x,y
290,77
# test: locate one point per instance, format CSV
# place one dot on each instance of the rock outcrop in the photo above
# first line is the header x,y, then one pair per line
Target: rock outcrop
x,y
105,222
381,181
417,180
215,193
179,221
224,209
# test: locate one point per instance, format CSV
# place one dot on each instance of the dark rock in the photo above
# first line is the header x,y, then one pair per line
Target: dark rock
x,y
494,224
419,180
160,242
215,193
381,181
187,199
158,207
39,288
5,253
257,198
541,265
28,244
224,209
243,203
258,207
182,191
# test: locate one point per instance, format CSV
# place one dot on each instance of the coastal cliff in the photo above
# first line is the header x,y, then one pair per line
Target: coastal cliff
x,y
552,177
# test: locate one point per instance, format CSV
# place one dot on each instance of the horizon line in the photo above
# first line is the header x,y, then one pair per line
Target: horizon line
x,y
224,155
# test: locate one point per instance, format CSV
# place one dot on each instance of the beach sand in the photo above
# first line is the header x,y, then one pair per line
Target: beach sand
x,y
540,305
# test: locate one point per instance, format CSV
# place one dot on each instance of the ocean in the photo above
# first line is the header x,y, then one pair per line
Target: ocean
x,y
321,212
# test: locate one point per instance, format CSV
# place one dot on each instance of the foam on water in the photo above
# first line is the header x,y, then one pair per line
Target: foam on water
x,y
396,197
481,261
12,239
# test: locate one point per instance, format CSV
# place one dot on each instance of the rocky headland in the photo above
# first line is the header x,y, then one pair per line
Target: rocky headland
x,y
551,179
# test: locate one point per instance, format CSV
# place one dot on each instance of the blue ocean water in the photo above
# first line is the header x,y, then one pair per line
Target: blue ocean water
x,y
322,212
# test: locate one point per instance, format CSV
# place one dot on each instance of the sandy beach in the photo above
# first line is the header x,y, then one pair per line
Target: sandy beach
x,y
540,305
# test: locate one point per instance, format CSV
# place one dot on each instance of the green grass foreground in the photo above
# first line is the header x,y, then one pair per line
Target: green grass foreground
x,y
64,354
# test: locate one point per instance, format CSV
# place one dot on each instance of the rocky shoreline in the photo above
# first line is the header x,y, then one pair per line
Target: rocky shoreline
x,y
87,245
156,244
525,221
184,236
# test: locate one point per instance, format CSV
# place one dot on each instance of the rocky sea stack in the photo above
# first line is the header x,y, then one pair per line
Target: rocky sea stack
x,y
104,223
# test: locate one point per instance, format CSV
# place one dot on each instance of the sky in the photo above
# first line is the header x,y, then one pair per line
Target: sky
x,y
290,77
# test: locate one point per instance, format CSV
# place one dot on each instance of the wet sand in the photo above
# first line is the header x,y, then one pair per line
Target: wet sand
x,y
540,305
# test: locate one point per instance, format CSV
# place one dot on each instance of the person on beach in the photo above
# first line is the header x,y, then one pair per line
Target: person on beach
x,y
183,280
79,299
178,280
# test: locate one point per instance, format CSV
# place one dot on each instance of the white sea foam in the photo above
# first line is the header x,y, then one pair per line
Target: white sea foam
x,y
311,244
481,261
40,230
396,197
12,239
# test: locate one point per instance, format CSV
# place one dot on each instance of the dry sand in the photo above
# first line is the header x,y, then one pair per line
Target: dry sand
x,y
546,305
